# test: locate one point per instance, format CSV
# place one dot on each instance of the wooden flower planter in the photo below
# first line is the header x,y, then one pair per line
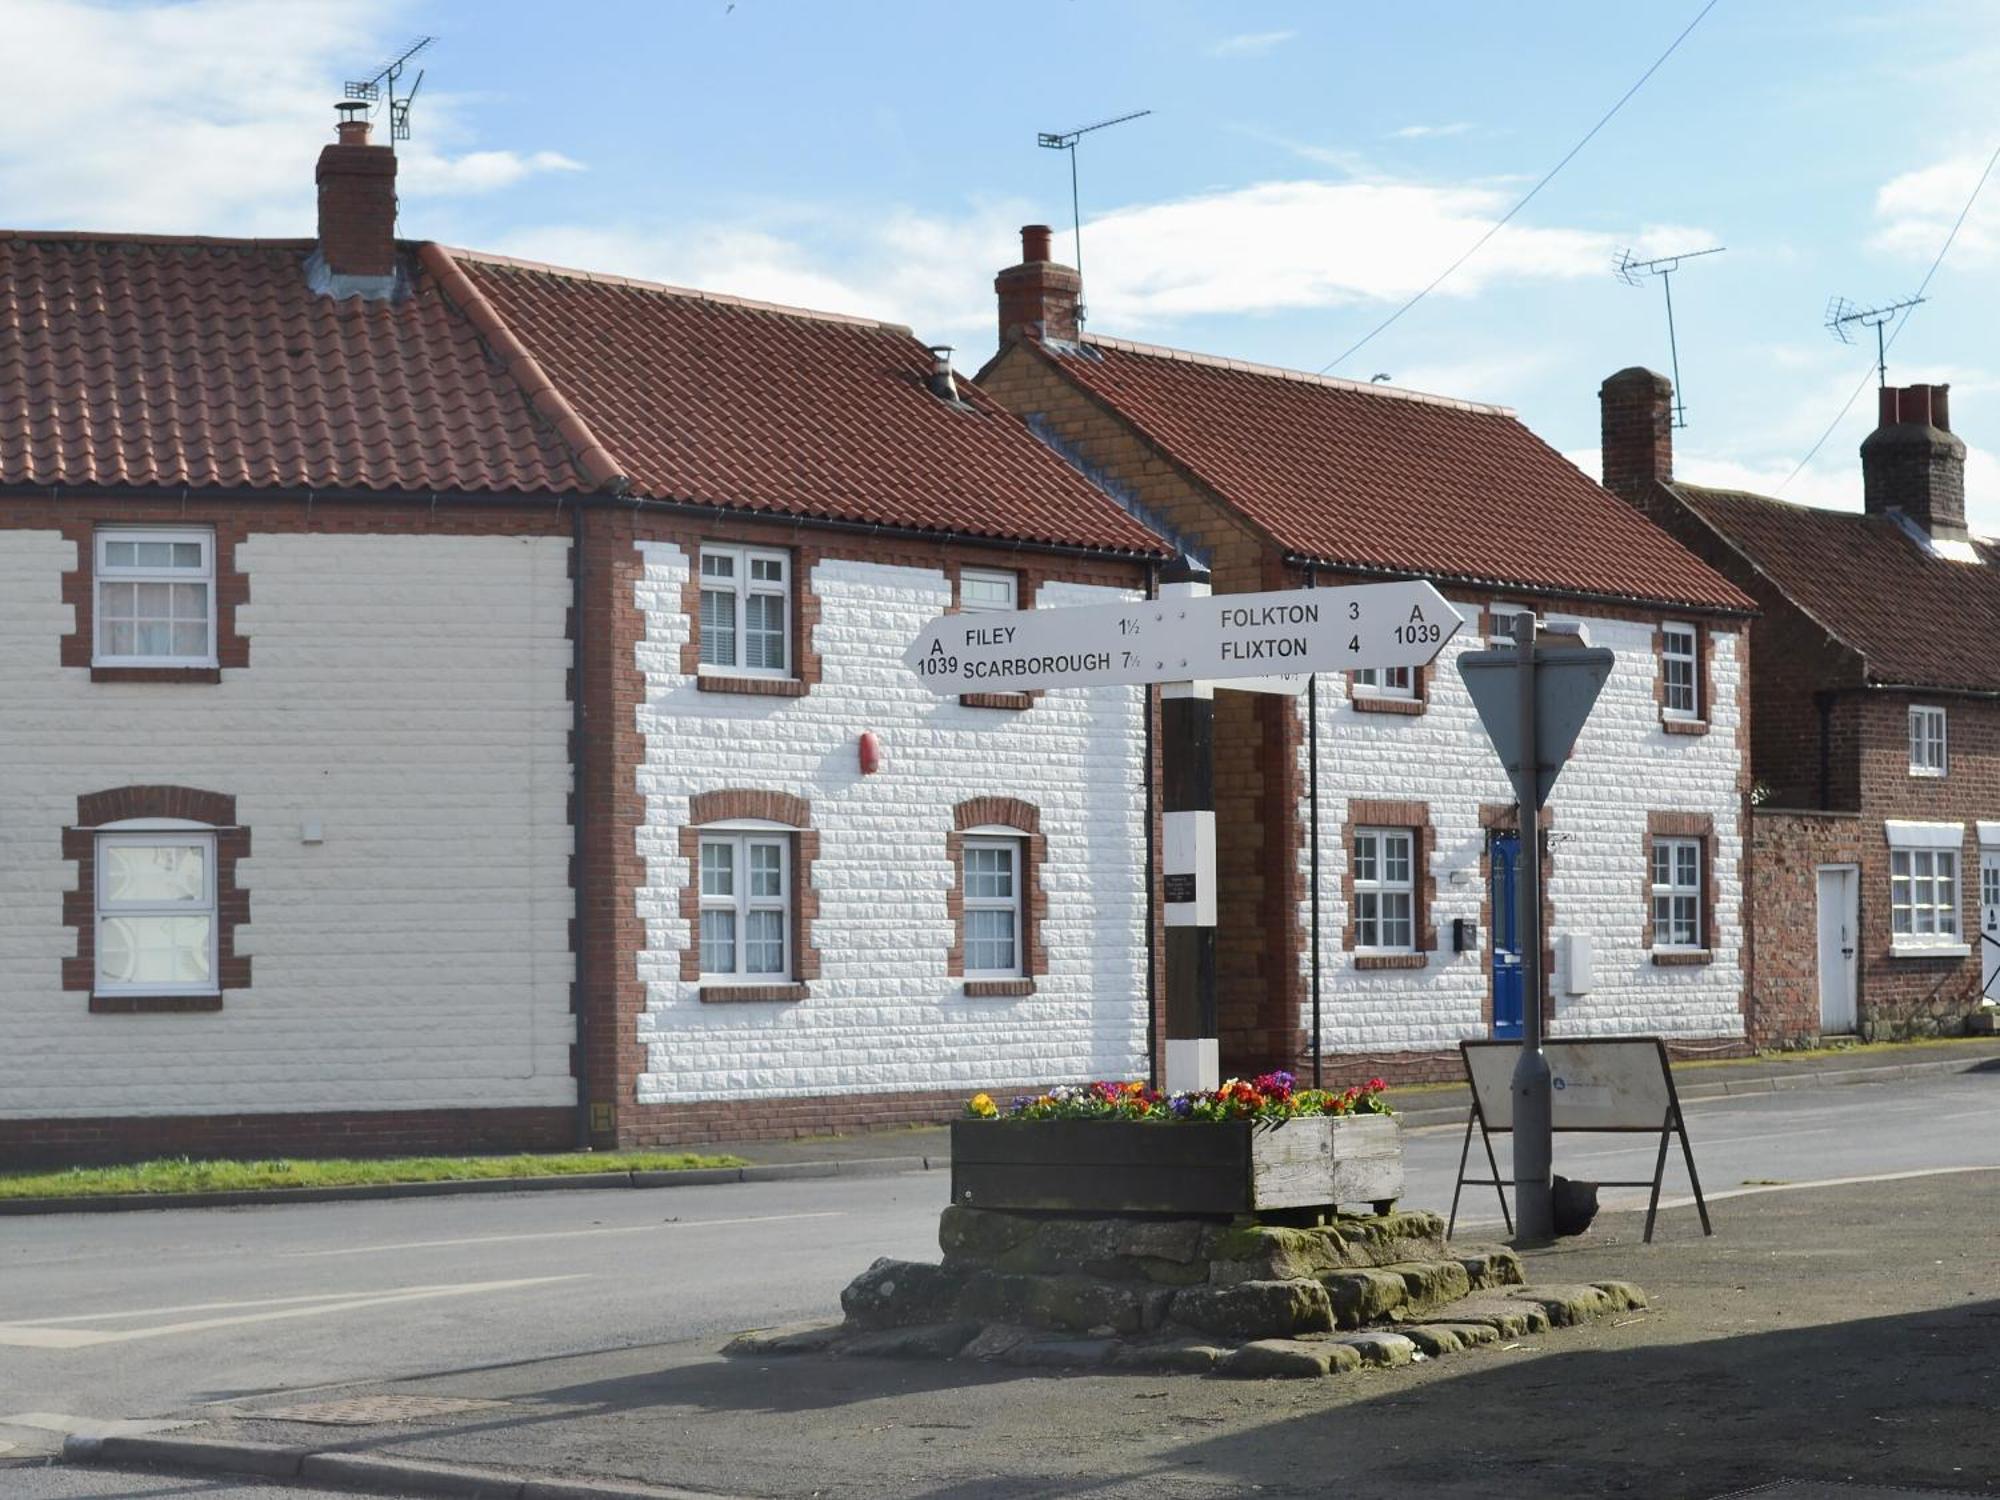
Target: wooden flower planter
x,y
1122,1166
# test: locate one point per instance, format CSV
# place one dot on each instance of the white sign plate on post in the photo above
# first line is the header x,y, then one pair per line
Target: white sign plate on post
x,y
1212,639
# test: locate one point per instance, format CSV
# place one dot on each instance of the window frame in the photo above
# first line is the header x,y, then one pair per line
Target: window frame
x,y
1674,890
154,833
970,576
1920,714
1910,937
1363,687
103,572
1669,630
1379,886
741,585
741,836
1015,844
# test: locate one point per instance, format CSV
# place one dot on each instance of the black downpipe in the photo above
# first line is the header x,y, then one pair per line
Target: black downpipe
x,y
1312,833
584,877
1152,885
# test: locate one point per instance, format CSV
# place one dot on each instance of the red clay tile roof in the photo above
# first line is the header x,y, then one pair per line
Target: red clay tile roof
x,y
145,361
716,400
132,360
1915,618
1362,476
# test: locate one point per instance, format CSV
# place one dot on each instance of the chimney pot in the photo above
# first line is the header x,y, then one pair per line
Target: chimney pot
x,y
1034,243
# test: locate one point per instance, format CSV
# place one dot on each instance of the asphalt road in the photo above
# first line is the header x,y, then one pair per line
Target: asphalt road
x,y
44,1483
124,1316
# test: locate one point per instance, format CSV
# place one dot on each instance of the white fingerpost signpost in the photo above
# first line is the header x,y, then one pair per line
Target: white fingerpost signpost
x,y
1533,699
1192,642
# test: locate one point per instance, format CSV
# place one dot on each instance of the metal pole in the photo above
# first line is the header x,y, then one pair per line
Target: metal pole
x,y
1312,791
1187,727
1674,349
1075,211
1533,1207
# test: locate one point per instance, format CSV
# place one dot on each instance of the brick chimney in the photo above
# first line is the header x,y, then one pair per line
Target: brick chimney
x,y
357,212
1912,463
1635,409
1038,298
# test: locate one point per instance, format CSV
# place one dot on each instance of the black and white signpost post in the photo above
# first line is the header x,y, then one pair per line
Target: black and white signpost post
x,y
1192,642
1187,859
1533,700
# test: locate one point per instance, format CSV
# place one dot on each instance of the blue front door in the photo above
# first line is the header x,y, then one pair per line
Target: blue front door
x,y
1506,945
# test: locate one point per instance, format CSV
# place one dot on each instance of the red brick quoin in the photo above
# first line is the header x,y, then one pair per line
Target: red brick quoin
x,y
232,906
1000,812
770,807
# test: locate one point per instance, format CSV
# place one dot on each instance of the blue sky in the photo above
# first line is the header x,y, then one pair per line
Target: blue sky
x,y
1305,168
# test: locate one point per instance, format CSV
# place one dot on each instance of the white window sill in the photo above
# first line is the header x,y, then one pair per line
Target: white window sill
x,y
1901,949
1926,774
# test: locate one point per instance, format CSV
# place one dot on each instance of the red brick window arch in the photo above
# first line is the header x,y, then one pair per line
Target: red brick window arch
x,y
156,904
750,857
997,904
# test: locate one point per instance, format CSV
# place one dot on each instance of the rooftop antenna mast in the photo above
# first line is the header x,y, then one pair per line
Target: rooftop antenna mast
x,y
1629,271
371,90
1065,140
1843,317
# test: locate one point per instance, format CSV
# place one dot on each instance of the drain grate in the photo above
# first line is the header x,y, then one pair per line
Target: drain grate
x,y
368,1411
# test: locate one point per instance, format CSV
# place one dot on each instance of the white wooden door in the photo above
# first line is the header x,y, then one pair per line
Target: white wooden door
x,y
1989,924
1839,941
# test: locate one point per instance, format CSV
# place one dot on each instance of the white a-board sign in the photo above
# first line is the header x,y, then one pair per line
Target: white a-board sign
x,y
1613,1084
1212,638
1618,1083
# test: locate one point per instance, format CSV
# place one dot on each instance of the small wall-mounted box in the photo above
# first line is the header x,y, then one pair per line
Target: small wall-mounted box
x,y
1577,964
1464,935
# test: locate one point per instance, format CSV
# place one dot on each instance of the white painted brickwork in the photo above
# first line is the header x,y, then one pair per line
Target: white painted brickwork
x,y
1624,766
884,1014
409,691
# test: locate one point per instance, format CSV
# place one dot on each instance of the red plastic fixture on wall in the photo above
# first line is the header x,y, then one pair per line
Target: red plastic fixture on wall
x,y
871,754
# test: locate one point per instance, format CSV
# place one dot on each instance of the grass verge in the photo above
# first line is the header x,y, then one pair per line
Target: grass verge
x,y
180,1175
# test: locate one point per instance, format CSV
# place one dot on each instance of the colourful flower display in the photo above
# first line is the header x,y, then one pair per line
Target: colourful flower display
x,y
1270,1096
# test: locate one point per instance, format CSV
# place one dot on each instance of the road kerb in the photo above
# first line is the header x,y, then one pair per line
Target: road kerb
x,y
210,1455
401,1476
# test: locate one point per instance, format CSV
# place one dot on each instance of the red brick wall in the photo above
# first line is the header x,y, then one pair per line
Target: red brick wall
x,y
1786,849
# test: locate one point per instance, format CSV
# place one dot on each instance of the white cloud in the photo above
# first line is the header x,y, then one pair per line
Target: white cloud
x,y
1917,210
205,115
1250,43
1428,132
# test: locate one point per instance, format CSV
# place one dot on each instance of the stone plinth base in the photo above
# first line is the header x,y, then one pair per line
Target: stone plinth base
x,y
1186,1294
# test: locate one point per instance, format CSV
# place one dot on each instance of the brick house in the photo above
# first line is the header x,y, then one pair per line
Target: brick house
x,y
1875,720
1279,479
452,703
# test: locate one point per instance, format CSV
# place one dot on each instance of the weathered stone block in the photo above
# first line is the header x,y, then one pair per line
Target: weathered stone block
x,y
896,1293
1059,1353
1430,1284
1363,1296
1174,1356
1490,1266
1256,1309
791,1338
1380,1348
1280,1359
980,1236
1507,1318
1080,1303
1569,1305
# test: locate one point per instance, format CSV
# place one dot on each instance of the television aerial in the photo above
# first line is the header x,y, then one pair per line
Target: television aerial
x,y
1630,271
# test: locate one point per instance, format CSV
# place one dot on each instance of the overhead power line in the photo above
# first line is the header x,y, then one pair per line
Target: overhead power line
x,y
1882,348
1526,198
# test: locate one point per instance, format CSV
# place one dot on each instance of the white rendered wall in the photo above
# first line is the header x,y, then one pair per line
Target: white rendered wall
x,y
884,1015
409,692
1624,766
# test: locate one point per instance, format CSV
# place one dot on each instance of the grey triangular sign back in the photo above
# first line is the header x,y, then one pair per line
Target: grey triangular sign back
x,y
1567,682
